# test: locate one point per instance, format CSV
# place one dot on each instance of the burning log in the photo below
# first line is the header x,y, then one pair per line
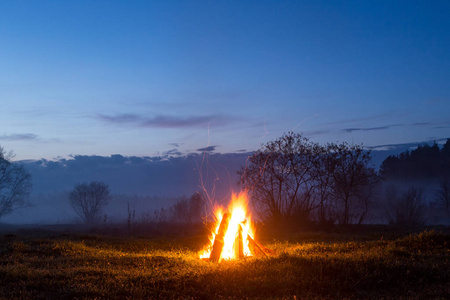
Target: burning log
x,y
239,243
218,241
233,239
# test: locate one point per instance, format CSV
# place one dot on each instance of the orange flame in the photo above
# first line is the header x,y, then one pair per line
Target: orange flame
x,y
239,217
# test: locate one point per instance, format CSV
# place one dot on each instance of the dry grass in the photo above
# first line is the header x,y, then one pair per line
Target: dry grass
x,y
311,267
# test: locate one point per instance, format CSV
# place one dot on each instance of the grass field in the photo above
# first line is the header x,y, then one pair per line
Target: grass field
x,y
306,266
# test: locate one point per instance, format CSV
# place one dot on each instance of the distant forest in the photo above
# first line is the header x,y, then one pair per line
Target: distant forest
x,y
425,162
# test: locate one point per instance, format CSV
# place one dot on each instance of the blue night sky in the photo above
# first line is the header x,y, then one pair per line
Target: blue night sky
x,y
171,77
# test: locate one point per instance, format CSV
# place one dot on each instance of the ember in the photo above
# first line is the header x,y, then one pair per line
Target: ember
x,y
233,237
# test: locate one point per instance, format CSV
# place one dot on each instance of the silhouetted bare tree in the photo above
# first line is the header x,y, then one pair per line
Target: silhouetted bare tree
x,y
196,207
443,195
15,183
88,200
293,177
406,209
352,183
324,166
188,210
279,177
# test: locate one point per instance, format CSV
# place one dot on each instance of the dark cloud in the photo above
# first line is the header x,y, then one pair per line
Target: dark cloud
x,y
172,152
176,122
393,125
371,128
367,118
164,121
121,119
160,175
207,149
316,132
176,144
395,146
19,137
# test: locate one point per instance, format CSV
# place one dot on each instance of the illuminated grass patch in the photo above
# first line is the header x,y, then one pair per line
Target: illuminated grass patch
x,y
415,266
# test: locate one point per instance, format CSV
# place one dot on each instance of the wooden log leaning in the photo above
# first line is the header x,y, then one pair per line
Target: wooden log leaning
x,y
218,241
254,247
240,242
257,249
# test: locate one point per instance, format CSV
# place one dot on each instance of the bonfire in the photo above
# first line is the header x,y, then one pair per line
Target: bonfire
x,y
233,236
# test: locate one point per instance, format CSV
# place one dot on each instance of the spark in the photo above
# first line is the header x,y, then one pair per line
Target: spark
x,y
265,134
299,124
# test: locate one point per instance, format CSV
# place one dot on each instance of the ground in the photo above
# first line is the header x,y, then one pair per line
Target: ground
x,y
366,265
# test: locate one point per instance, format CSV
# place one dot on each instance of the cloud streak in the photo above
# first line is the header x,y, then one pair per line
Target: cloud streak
x,y
362,119
409,145
172,152
207,149
165,121
176,144
418,124
350,130
316,132
19,137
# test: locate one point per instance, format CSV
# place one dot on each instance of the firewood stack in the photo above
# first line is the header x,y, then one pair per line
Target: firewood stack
x,y
255,248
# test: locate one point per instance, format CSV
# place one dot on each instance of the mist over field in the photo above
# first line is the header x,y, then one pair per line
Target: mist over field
x,y
147,184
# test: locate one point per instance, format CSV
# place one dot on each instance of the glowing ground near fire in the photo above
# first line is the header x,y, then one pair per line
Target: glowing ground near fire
x,y
370,265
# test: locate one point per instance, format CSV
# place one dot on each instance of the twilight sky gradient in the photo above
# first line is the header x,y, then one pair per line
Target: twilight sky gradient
x,y
171,77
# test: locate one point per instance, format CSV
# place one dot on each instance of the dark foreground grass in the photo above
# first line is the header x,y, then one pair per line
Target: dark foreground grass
x,y
86,267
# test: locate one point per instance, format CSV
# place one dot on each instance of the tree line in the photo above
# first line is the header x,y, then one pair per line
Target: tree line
x,y
424,162
429,163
